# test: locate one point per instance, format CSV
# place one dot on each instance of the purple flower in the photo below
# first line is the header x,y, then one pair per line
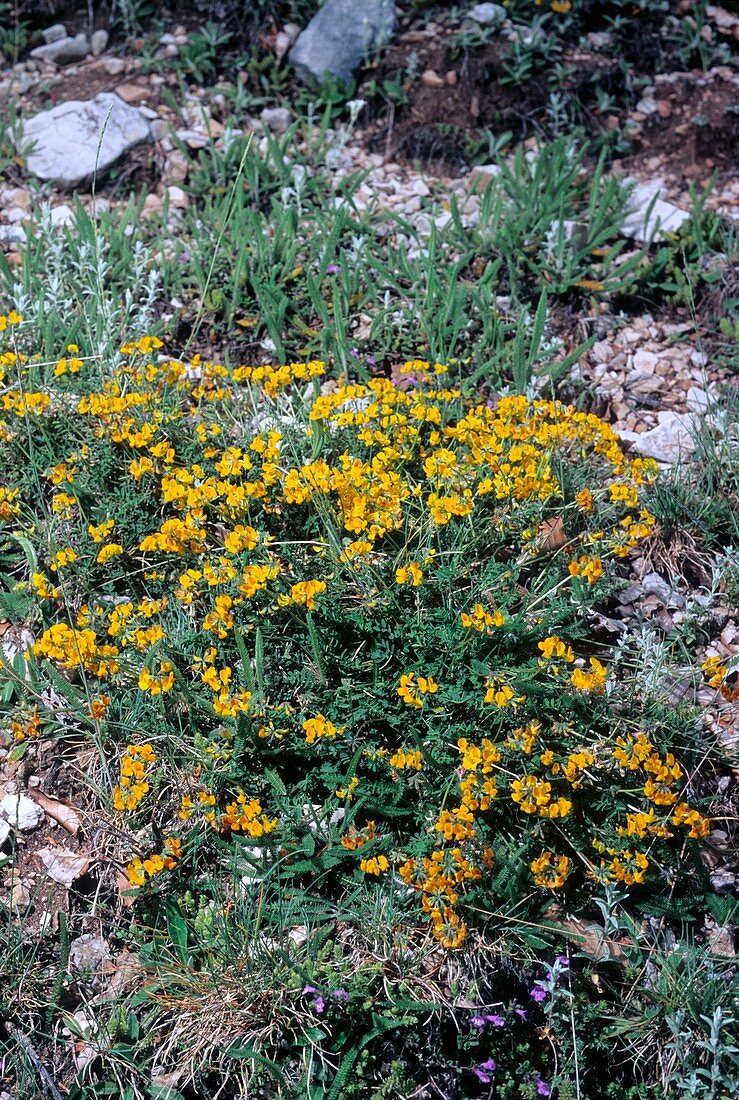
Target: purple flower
x,y
563,960
542,1088
354,353
521,1012
496,1021
538,994
184,257
340,995
371,361
333,269
309,989
484,1072
319,1004
478,1021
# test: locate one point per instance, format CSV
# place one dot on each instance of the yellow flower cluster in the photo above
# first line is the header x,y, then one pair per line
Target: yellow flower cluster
x,y
319,726
440,879
374,865
479,619
404,758
550,871
160,683
535,796
77,649
138,869
409,574
245,815
413,690
388,475
9,504
304,594
29,727
136,764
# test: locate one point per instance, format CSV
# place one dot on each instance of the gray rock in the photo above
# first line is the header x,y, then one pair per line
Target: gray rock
x,y
77,139
654,585
669,442
647,105
600,40
62,215
54,33
648,216
698,400
18,81
12,234
278,119
87,952
487,14
193,138
159,129
340,36
21,811
64,51
630,594
98,42
645,360
114,66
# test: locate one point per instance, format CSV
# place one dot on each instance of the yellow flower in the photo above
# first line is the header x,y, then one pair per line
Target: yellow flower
x,y
592,682
320,726
550,871
101,532
412,690
157,685
375,865
112,550
42,587
303,593
62,558
402,759
501,694
481,620
411,572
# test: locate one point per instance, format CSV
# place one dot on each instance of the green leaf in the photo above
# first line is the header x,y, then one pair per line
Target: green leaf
x,y
177,928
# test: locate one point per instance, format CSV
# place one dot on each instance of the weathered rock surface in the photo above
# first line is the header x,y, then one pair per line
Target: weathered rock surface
x,y
648,216
21,812
489,15
63,51
98,42
670,441
87,952
55,33
277,119
77,139
340,36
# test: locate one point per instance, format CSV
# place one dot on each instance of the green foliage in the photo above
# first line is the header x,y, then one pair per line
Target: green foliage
x,y
15,32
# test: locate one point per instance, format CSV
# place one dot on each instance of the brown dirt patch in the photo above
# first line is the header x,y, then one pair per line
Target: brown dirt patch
x,y
695,131
84,81
454,101
435,123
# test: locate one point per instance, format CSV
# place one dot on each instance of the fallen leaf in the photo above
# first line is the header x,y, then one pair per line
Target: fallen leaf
x,y
123,886
589,938
60,812
62,865
552,534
